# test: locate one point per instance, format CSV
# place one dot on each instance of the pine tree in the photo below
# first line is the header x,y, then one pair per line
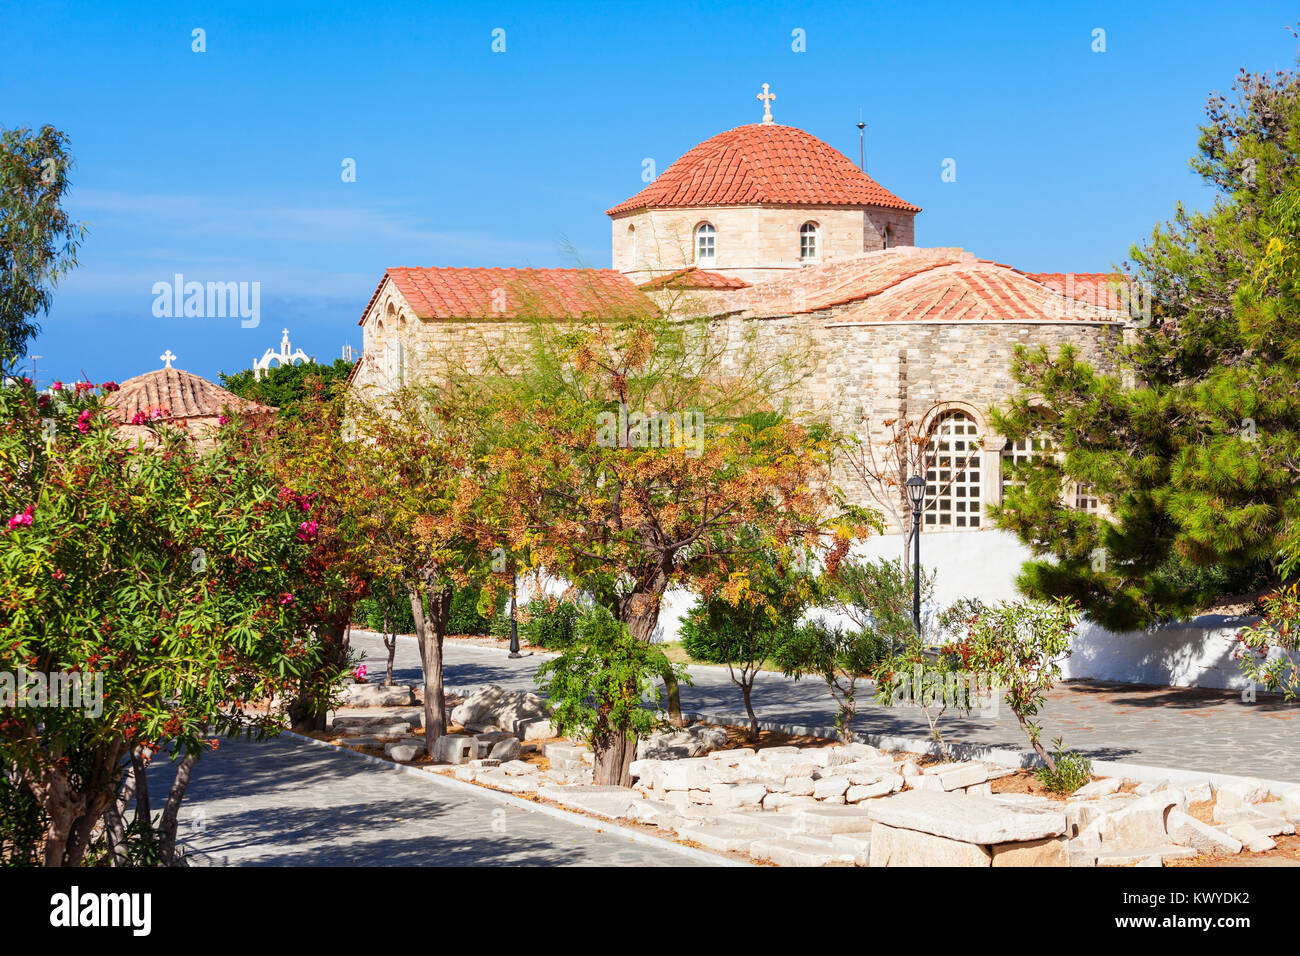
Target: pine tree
x,y
1193,445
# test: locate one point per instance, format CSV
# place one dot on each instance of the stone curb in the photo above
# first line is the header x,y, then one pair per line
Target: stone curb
x,y
1001,756
590,823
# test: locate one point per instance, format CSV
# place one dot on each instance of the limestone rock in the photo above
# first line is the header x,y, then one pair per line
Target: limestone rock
x,y
404,750
1047,852
1186,830
507,749
795,851
494,708
967,819
693,741
1099,788
957,776
1251,839
377,695
896,846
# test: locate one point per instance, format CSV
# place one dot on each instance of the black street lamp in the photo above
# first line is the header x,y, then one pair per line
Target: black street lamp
x,y
916,495
514,623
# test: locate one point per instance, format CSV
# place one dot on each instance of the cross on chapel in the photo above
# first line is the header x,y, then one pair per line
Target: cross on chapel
x,y
168,358
767,99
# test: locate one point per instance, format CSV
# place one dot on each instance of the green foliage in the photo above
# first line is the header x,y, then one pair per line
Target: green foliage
x,y
1071,770
184,582
286,387
547,622
1021,645
605,683
1269,648
467,611
1191,446
386,609
841,657
22,823
719,632
38,242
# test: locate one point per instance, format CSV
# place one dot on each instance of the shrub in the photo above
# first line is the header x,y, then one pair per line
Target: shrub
x,y
545,622
1021,644
604,688
1071,770
467,614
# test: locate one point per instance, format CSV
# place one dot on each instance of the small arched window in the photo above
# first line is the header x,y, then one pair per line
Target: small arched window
x,y
952,475
887,238
631,245
808,240
706,248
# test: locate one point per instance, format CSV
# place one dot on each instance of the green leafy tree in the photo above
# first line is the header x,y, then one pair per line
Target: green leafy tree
x,y
1270,648
626,457
174,584
1193,445
287,387
751,620
38,240
1021,645
603,687
409,465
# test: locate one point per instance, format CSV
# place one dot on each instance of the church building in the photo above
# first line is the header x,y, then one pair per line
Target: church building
x,y
768,227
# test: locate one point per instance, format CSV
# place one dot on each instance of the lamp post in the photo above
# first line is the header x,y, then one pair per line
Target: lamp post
x,y
514,623
916,495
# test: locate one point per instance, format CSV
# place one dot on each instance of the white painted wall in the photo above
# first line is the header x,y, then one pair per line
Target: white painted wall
x,y
984,564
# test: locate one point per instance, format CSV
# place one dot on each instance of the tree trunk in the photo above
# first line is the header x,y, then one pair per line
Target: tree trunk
x,y
306,713
614,754
640,612
115,818
167,825
1037,745
139,767
390,645
430,629
746,688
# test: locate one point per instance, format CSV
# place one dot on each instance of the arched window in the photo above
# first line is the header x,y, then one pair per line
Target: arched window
x,y
887,238
706,248
952,479
631,245
808,240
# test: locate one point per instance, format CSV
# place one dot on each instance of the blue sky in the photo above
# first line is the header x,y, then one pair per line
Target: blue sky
x,y
226,165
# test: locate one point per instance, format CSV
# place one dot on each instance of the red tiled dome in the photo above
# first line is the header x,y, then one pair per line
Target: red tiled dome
x,y
763,164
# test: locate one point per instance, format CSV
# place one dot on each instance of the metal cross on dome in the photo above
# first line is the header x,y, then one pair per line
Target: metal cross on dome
x,y
168,358
767,99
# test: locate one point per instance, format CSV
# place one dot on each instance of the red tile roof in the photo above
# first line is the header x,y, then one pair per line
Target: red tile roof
x,y
181,394
455,293
693,278
1099,288
763,164
910,284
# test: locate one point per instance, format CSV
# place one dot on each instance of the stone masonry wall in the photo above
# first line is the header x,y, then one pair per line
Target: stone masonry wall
x,y
753,242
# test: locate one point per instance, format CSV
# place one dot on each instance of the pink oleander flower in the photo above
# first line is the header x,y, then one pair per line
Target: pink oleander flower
x,y
23,519
222,420
56,387
83,421
110,387
139,418
360,674
286,598
307,530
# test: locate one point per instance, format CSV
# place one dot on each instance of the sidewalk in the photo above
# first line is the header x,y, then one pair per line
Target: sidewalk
x,y
1187,728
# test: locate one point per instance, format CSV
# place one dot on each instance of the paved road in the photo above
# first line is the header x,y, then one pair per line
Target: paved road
x,y
1207,730
284,802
